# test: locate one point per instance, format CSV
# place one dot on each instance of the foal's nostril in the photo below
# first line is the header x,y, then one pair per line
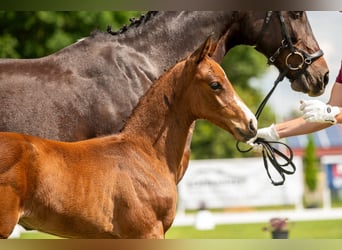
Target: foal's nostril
x,y
326,79
251,126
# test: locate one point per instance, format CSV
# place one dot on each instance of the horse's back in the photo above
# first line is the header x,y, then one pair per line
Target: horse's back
x,y
85,90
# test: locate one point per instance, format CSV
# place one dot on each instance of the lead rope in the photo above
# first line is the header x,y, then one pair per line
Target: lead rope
x,y
270,153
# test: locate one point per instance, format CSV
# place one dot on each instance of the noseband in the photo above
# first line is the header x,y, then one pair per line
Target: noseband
x,y
305,58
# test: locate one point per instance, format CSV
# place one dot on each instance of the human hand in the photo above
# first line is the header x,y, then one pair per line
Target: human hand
x,y
318,111
267,133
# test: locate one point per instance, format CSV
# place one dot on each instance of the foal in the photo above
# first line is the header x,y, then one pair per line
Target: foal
x,y
123,185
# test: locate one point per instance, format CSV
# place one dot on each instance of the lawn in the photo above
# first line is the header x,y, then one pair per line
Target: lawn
x,y
328,229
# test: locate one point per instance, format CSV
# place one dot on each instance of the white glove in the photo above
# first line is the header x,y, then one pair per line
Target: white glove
x,y
268,134
317,111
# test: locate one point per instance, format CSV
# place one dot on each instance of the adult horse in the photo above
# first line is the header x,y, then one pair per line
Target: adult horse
x,y
122,185
89,89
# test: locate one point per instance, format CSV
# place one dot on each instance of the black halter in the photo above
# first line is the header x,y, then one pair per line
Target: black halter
x,y
306,58
269,153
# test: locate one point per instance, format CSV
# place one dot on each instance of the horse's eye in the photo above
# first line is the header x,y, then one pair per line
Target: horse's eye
x,y
215,86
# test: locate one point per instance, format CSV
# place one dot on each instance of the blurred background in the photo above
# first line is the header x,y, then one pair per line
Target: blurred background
x,y
233,187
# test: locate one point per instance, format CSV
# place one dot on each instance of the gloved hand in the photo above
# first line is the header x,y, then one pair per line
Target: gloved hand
x,y
318,111
267,133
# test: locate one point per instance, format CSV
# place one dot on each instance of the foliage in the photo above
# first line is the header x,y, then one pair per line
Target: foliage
x,y
310,164
36,34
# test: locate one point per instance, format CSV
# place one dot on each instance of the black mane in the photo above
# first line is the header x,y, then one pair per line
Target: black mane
x,y
134,23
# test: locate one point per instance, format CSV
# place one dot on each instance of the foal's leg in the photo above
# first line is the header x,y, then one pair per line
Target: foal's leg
x,y
9,210
157,232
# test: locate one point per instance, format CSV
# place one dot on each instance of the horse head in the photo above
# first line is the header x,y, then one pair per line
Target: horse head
x,y
214,98
286,38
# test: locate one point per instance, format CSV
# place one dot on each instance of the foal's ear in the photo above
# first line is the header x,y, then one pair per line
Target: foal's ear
x,y
202,51
218,49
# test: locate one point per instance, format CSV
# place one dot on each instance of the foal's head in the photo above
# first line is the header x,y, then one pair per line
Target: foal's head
x,y
212,96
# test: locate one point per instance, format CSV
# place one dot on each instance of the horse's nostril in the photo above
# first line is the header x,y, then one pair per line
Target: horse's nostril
x,y
326,79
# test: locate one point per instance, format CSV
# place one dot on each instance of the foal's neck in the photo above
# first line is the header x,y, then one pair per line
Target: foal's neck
x,y
161,120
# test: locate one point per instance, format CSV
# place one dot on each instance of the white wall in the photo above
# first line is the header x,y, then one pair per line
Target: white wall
x,y
237,183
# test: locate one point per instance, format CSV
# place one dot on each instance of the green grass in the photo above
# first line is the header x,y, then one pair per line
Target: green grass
x,y
37,235
328,229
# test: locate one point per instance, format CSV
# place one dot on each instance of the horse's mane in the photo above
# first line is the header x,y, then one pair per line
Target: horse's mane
x,y
100,35
134,23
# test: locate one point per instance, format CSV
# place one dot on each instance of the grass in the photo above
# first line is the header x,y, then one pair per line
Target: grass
x,y
37,235
327,229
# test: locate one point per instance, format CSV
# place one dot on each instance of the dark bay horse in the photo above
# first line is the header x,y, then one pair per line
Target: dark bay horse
x,y
122,185
89,88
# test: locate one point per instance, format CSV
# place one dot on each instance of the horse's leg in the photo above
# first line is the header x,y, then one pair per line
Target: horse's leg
x,y
9,210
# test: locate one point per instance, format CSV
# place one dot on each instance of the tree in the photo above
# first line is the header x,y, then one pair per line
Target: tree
x,y
310,164
312,195
35,34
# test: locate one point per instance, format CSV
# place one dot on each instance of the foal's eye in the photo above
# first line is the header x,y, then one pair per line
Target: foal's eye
x,y
215,86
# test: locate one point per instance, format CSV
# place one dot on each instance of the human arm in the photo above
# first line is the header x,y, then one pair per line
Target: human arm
x,y
336,95
299,126
336,99
318,111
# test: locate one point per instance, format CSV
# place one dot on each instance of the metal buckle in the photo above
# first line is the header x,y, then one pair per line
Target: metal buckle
x,y
300,65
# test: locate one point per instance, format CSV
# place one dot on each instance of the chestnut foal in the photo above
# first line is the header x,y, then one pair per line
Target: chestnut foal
x,y
122,185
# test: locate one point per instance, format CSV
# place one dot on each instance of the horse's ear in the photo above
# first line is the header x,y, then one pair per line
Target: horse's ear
x,y
202,51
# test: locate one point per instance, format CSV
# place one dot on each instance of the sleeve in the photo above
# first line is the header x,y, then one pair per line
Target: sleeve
x,y
339,76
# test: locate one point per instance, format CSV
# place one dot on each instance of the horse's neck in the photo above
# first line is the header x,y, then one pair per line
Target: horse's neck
x,y
170,36
162,121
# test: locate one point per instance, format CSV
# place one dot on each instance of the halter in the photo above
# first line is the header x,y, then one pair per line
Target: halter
x,y
305,58
269,152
